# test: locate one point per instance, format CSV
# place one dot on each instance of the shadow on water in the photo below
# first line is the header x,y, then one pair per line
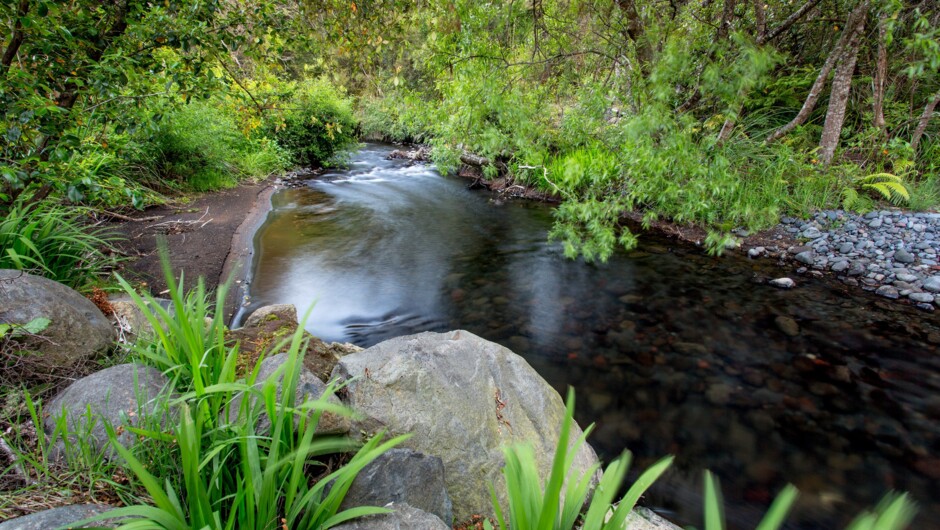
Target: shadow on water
x,y
671,351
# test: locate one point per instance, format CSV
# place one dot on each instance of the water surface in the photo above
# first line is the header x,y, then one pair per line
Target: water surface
x,y
670,351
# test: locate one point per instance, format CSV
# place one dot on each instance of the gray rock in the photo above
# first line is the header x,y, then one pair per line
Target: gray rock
x,y
309,387
463,398
876,223
909,278
756,252
806,257
839,266
119,395
932,284
783,283
77,332
402,476
887,291
404,517
812,233
923,298
645,519
285,312
903,256
845,248
856,269
64,516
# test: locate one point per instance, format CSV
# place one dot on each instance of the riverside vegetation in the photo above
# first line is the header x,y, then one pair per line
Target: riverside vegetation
x,y
709,113
211,466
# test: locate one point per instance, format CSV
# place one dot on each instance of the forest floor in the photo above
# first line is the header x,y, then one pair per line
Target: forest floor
x,y
208,235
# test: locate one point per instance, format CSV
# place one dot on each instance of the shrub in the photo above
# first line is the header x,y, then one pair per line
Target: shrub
x,y
199,146
317,125
51,240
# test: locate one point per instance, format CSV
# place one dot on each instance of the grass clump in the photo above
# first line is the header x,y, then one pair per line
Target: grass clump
x,y
51,240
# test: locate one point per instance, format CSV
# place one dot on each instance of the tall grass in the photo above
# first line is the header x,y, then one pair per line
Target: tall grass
x,y
557,507
52,240
218,471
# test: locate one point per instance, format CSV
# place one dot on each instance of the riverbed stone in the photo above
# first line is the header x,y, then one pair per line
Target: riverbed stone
x,y
932,284
77,331
463,399
783,283
122,395
62,517
402,476
903,256
924,298
888,291
808,257
787,325
402,517
282,312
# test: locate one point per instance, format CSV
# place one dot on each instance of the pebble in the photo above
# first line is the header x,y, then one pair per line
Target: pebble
x,y
891,252
783,283
923,298
806,257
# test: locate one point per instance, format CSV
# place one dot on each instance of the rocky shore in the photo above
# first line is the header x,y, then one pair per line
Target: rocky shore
x,y
890,252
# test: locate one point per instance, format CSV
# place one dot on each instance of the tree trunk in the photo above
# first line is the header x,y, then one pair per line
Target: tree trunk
x,y
922,122
16,40
851,25
760,16
881,73
839,96
636,33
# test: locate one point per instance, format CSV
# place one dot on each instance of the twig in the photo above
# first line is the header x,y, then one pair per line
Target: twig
x,y
14,462
131,219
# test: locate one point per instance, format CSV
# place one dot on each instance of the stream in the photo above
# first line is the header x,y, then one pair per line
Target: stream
x,y
670,351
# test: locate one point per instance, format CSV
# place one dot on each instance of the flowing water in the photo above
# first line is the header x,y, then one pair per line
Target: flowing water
x,y
670,351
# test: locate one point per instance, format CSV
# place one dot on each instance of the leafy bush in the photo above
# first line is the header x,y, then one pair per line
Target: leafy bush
x,y
317,126
199,146
51,240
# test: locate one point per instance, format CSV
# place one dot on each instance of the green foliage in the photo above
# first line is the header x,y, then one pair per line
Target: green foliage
x,y
189,337
52,241
217,469
894,512
317,125
33,327
553,506
201,147
890,187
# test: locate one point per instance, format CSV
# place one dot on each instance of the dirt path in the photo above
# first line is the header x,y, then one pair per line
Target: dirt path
x,y
210,236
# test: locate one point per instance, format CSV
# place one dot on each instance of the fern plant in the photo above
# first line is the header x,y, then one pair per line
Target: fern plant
x,y
887,185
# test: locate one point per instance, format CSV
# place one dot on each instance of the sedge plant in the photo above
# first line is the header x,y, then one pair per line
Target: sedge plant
x,y
222,469
50,240
557,505
894,512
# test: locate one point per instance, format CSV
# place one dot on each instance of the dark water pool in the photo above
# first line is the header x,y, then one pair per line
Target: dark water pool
x,y
671,351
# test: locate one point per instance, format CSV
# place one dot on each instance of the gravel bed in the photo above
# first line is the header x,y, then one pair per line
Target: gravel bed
x,y
890,252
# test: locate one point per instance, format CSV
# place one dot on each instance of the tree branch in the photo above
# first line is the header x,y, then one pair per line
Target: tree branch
x,y
17,39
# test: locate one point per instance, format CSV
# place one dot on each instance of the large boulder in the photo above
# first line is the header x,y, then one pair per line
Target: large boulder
x,y
403,517
309,387
463,399
77,331
62,517
120,395
402,476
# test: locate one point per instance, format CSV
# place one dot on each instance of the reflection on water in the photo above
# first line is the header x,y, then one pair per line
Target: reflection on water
x,y
670,351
